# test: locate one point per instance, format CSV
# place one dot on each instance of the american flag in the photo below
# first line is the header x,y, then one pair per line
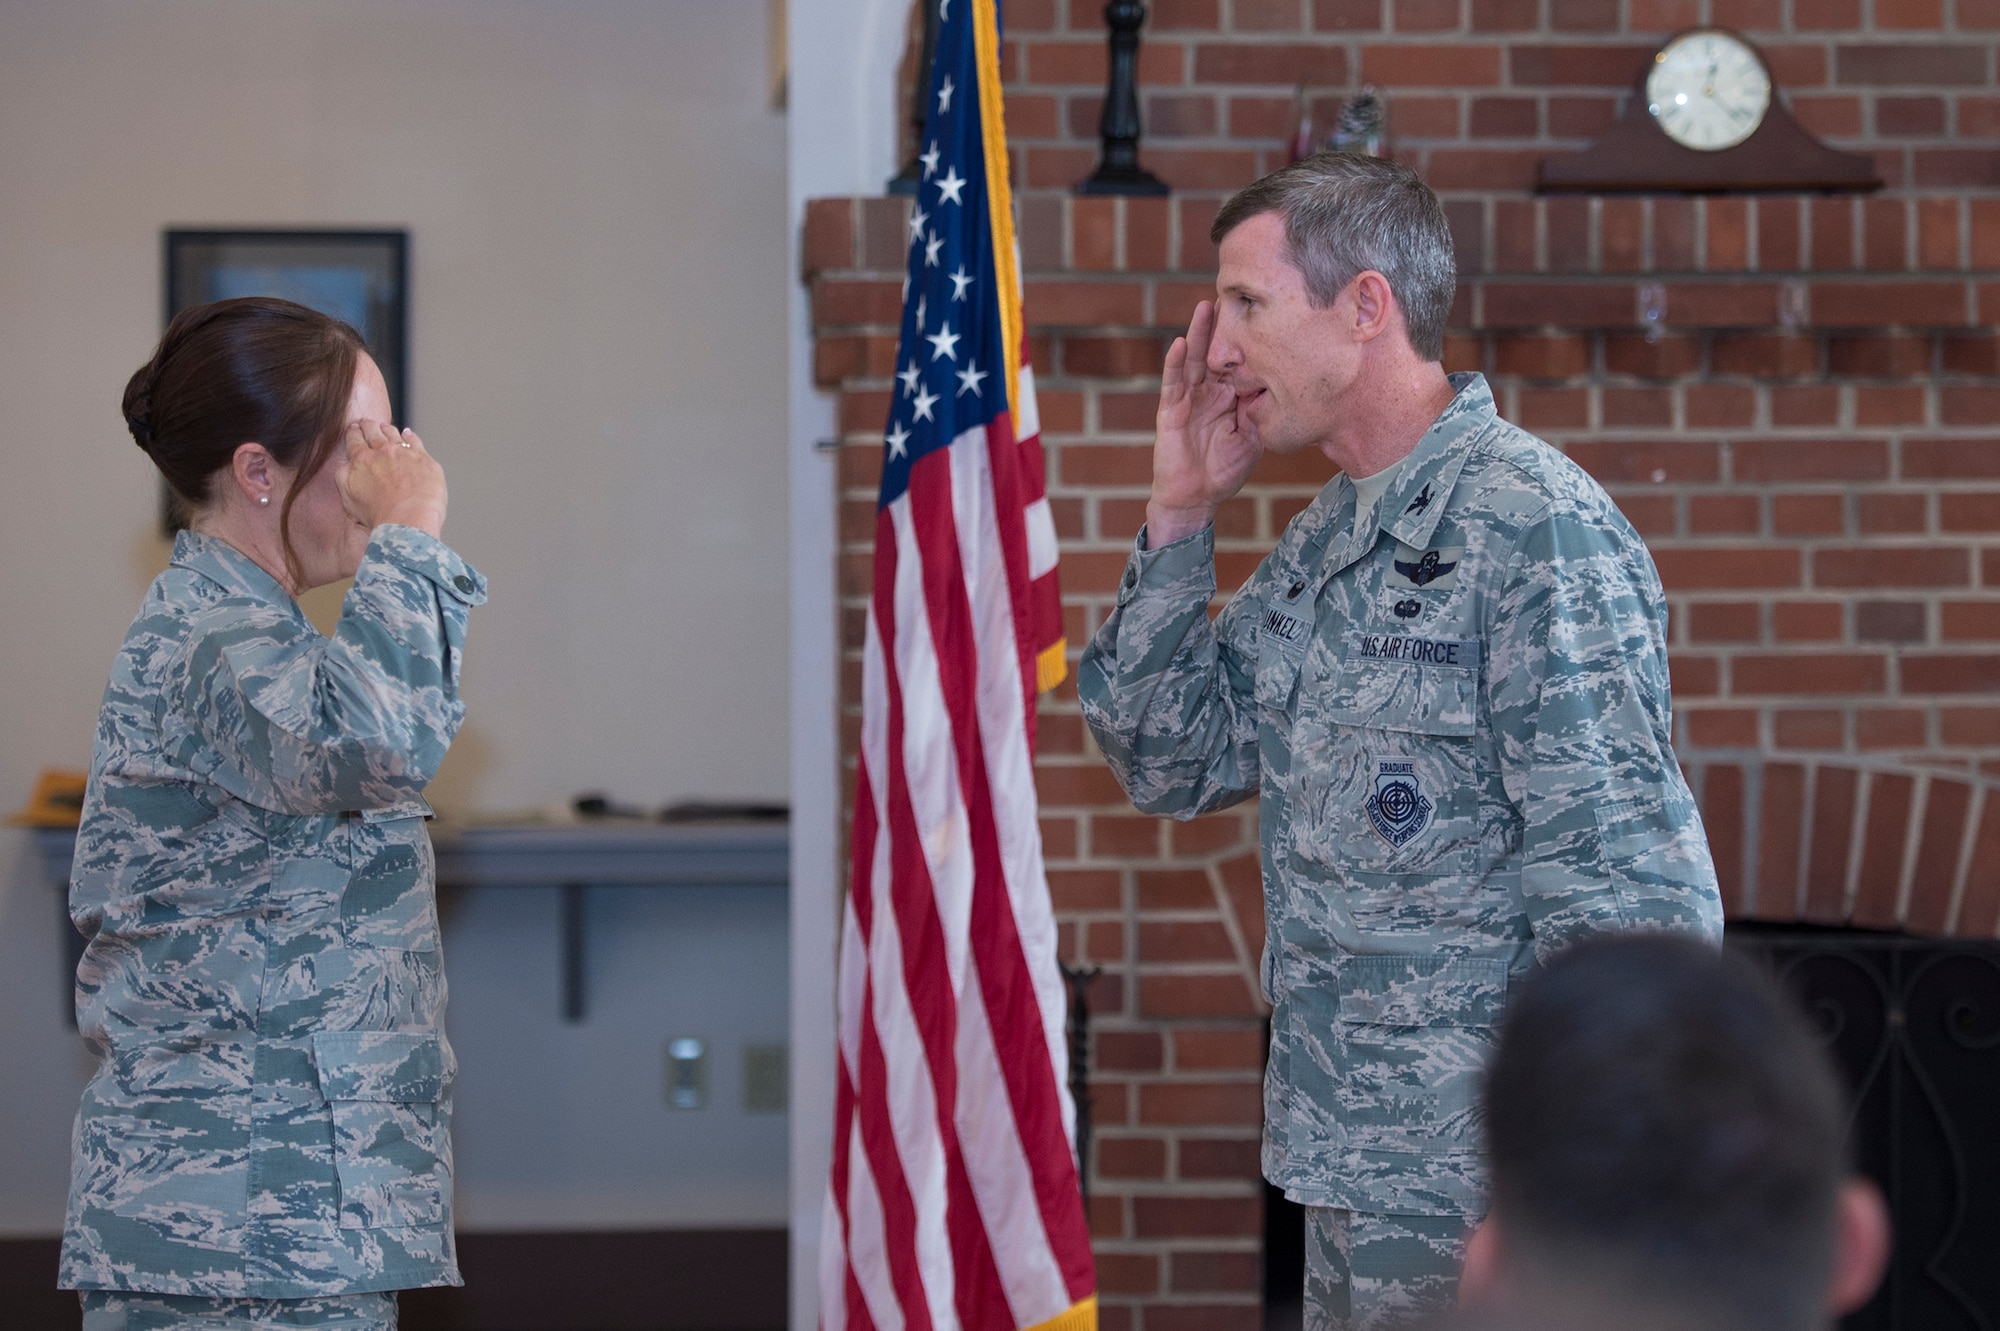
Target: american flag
x,y
954,1200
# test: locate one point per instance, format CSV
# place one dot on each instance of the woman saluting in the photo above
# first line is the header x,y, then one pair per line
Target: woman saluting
x,y
266,1141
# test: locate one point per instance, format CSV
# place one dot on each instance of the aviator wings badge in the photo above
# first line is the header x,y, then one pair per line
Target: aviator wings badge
x,y
1427,569
1414,570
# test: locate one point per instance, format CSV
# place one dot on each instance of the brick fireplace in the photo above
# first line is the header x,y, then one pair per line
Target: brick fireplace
x,y
1796,400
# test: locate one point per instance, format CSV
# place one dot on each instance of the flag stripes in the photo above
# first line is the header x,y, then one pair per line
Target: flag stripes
x,y
954,1200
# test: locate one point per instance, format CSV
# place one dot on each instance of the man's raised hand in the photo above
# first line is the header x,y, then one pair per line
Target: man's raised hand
x,y
1200,457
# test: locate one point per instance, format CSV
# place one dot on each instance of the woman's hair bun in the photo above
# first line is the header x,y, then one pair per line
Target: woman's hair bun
x,y
138,406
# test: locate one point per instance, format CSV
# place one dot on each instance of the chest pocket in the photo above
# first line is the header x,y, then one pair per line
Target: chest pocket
x,y
391,895
1387,773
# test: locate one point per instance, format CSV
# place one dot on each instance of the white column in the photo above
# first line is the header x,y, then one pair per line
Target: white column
x,y
841,142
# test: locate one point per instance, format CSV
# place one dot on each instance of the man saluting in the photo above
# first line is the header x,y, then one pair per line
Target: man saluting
x,y
1447,686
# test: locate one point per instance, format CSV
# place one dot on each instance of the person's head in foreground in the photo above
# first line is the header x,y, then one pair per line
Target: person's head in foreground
x,y
1666,1145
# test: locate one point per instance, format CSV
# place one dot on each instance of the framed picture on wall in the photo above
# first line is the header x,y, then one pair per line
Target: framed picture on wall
x,y
361,277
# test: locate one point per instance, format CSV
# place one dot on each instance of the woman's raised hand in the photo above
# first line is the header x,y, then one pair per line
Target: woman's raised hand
x,y
389,476
1200,456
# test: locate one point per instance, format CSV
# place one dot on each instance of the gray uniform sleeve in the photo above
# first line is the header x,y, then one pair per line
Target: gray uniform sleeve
x,y
288,720
1169,695
1578,692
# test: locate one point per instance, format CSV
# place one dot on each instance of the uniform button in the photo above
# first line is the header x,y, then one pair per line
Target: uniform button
x,y
1293,594
463,583
1131,579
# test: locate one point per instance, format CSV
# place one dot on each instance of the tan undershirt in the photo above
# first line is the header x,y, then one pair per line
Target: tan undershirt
x,y
1368,491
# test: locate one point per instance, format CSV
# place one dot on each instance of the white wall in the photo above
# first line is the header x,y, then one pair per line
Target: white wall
x,y
842,140
596,195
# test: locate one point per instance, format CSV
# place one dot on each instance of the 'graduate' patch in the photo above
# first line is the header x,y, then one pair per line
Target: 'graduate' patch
x,y
1397,807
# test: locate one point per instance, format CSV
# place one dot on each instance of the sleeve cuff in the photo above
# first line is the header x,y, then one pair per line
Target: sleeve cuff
x,y
420,552
1173,562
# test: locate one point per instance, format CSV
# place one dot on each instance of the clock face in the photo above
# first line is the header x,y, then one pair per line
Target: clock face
x,y
1708,90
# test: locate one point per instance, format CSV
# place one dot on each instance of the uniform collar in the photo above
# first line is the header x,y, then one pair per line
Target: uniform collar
x,y
1411,508
222,563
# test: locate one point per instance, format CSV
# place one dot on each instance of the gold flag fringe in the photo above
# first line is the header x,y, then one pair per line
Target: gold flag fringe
x,y
1052,666
1082,1317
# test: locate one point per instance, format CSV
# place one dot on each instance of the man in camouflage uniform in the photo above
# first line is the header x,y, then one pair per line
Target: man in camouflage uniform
x,y
1447,685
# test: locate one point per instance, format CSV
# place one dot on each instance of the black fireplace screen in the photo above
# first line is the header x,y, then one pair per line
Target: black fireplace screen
x,y
1915,1026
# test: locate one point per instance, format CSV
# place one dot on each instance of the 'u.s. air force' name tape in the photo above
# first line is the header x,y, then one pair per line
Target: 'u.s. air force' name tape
x,y
1458,653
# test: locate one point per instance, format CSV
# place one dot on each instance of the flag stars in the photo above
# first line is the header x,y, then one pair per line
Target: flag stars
x,y
960,280
969,380
932,248
922,405
930,161
951,186
898,440
917,219
909,375
945,343
945,91
923,305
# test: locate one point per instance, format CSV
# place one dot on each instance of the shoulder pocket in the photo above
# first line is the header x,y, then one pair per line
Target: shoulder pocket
x,y
391,1125
1628,829
275,680
1656,853
410,808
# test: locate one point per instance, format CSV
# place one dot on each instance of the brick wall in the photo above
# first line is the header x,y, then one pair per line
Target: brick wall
x,y
1482,89
1807,433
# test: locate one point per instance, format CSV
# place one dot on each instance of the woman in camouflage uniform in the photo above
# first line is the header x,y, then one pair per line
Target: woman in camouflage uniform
x,y
265,1141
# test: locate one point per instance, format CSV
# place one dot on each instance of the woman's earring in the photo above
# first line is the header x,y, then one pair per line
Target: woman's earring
x,y
263,499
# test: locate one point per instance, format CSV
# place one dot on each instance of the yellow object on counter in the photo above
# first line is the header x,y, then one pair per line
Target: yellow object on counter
x,y
57,801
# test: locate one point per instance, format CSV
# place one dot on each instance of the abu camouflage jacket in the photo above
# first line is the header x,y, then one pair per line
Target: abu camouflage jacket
x,y
262,984
1457,721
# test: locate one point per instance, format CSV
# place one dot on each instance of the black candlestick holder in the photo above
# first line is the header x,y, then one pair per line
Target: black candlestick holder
x,y
912,174
1118,170
1077,979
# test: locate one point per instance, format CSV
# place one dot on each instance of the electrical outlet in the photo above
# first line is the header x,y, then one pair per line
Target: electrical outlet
x,y
687,1073
765,1073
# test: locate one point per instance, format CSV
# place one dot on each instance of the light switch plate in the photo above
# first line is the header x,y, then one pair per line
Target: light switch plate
x,y
765,1078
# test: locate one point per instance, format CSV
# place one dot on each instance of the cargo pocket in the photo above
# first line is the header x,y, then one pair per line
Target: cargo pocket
x,y
391,896
391,1125
1412,1035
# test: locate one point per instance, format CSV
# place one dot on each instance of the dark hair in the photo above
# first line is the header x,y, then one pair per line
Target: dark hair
x,y
1664,1126
253,369
1345,214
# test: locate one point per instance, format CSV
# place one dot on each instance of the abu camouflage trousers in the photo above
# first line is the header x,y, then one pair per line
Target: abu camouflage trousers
x,y
118,1310
1367,1272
